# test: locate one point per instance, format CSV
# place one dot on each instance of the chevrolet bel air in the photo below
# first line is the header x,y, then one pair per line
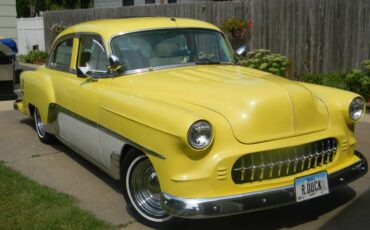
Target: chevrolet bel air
x,y
161,105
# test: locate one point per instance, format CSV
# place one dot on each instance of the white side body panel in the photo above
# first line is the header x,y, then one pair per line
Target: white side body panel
x,y
80,135
94,144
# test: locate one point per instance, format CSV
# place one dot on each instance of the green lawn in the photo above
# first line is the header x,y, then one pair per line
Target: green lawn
x,y
24,204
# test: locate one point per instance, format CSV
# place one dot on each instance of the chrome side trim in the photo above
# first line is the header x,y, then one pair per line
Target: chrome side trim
x,y
247,202
52,127
142,148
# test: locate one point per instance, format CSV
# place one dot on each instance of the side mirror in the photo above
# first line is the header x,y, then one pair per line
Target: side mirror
x,y
114,63
241,51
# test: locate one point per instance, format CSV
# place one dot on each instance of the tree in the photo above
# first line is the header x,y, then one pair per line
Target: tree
x,y
23,8
62,4
30,8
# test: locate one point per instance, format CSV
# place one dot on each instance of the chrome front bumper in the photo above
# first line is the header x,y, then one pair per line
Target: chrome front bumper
x,y
230,205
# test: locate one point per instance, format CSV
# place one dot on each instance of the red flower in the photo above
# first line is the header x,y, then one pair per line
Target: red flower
x,y
250,24
237,27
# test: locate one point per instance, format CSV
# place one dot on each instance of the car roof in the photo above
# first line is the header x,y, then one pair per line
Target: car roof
x,y
110,27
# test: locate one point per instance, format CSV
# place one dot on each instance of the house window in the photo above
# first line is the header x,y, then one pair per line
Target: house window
x,y
172,1
149,1
128,2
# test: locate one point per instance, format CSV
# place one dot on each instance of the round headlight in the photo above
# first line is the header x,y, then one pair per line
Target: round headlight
x,y
200,134
356,108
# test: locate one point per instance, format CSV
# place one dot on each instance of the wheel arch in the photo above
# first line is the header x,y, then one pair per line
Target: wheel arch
x,y
31,109
118,159
130,156
126,148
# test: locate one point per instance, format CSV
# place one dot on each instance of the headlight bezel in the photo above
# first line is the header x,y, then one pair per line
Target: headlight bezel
x,y
192,129
356,109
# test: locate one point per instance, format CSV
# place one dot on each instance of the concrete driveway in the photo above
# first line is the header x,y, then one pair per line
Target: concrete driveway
x,y
60,168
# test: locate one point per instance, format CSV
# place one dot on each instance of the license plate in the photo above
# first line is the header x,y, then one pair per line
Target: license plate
x,y
311,186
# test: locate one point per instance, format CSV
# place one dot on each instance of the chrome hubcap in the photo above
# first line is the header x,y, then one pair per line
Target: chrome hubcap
x,y
39,125
145,189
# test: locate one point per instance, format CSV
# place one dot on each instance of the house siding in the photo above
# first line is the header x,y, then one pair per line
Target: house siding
x,y
107,3
8,19
118,3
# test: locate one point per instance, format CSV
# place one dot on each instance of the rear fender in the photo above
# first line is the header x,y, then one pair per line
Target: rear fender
x,y
37,91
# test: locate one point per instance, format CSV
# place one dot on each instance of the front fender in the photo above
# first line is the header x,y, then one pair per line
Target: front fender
x,y
335,99
132,115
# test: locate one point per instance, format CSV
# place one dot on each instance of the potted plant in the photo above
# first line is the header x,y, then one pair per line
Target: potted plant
x,y
238,30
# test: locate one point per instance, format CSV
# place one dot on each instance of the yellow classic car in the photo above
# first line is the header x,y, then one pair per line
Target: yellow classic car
x,y
161,105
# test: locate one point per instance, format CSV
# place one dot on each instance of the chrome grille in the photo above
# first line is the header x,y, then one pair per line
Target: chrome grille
x,y
283,162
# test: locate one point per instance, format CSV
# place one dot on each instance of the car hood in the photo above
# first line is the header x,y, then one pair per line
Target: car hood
x,y
258,106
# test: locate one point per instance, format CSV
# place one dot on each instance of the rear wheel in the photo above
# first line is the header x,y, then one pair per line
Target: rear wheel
x,y
141,190
44,136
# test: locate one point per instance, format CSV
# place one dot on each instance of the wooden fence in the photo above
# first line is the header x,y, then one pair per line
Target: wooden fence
x,y
316,35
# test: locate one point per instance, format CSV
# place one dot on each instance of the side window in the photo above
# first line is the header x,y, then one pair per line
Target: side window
x,y
92,55
63,54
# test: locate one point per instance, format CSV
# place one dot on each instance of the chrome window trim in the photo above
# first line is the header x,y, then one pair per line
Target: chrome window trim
x,y
142,70
100,38
49,64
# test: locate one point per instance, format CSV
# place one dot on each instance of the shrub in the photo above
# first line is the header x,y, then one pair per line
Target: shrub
x,y
266,61
358,80
36,56
22,58
335,80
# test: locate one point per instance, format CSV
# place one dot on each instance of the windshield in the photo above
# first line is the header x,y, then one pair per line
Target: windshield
x,y
168,47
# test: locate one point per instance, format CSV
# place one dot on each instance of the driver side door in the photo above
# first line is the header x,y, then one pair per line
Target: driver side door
x,y
78,96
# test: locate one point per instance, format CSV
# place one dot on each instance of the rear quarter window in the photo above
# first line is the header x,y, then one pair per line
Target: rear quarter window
x,y
63,54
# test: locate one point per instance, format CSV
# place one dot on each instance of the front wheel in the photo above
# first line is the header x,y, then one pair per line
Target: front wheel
x,y
44,136
141,190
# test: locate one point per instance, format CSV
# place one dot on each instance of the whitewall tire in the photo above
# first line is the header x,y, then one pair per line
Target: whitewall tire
x,y
141,190
44,136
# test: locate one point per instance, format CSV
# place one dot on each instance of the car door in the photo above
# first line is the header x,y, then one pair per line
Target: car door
x,y
77,97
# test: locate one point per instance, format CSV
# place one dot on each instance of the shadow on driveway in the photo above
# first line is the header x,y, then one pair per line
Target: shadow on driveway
x,y
283,217
291,216
354,216
79,159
